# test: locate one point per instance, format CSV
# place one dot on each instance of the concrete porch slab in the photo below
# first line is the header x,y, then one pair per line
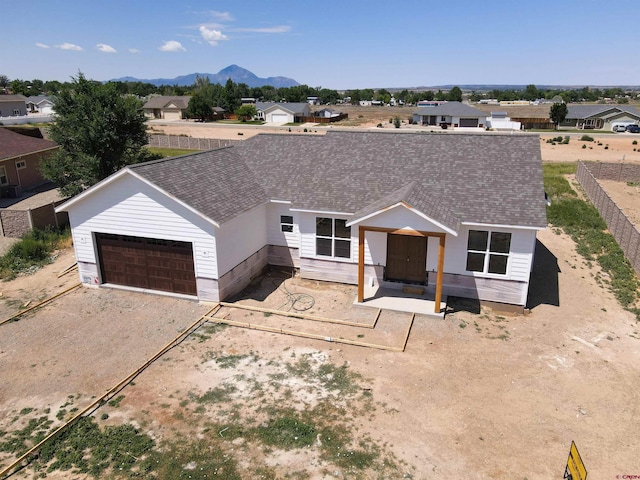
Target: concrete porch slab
x,y
396,299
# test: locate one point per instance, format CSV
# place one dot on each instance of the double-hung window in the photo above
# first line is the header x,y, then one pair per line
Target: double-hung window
x,y
333,238
488,252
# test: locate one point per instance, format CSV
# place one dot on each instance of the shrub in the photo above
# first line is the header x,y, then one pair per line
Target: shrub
x,y
33,250
566,140
391,120
635,142
584,145
305,130
396,122
586,138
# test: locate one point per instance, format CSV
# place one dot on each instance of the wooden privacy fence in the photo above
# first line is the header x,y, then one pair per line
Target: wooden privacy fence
x,y
189,143
15,223
625,233
313,119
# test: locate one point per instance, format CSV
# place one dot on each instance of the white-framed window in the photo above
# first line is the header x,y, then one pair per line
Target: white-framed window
x,y
4,180
488,252
16,111
333,238
286,223
20,164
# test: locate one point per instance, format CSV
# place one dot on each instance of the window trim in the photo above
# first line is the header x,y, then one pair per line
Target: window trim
x,y
333,238
19,166
488,253
3,173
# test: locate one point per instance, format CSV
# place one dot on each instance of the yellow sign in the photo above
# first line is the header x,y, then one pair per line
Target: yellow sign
x,y
575,469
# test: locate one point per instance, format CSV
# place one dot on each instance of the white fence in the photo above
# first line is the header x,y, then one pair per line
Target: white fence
x,y
31,118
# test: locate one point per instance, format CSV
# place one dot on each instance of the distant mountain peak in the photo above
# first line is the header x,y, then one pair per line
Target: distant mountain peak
x,y
234,72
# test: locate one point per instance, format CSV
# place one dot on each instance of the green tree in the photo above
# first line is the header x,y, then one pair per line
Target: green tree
x,y
99,132
440,96
455,95
531,93
246,112
558,113
201,102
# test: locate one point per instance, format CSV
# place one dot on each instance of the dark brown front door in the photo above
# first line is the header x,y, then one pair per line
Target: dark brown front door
x,y
165,265
406,258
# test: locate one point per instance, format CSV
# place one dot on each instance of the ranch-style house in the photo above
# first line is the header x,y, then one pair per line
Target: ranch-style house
x,y
456,214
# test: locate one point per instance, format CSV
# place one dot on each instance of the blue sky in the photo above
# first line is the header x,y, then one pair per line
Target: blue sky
x,y
333,44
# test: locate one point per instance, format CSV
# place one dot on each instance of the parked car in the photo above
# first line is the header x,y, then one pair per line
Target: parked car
x,y
633,128
619,128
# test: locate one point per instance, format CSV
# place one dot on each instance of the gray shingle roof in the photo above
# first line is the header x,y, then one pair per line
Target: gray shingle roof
x,y
292,107
475,178
586,111
217,183
180,101
479,178
493,179
454,109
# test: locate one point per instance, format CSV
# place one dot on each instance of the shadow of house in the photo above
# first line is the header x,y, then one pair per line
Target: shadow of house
x,y
543,287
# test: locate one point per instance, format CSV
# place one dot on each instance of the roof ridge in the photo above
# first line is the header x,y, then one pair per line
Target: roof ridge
x,y
179,157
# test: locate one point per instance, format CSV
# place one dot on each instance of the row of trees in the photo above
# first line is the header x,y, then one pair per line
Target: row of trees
x,y
228,96
531,93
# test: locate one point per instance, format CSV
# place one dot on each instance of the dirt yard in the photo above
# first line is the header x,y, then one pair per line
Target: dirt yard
x,y
476,395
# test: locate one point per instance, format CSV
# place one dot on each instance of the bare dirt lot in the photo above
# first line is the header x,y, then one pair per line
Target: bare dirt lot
x,y
476,395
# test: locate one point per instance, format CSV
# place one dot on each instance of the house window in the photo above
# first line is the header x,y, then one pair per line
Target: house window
x,y
488,252
4,180
443,118
333,238
286,223
16,111
20,164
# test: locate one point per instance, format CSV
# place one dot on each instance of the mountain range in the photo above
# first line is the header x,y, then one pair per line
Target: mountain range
x,y
234,72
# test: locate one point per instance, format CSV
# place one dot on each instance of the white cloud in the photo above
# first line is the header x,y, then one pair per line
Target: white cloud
x,y
42,45
276,29
69,46
212,37
134,50
106,48
172,46
221,16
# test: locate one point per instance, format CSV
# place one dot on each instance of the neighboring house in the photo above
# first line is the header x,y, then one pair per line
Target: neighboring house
x,y
501,121
326,113
218,113
13,105
599,117
167,107
39,104
457,214
20,157
282,112
313,100
450,114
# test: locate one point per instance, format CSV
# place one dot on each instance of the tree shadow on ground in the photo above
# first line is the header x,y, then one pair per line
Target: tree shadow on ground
x,y
543,287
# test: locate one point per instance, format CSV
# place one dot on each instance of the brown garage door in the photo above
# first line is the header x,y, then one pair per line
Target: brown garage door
x,y
468,122
165,265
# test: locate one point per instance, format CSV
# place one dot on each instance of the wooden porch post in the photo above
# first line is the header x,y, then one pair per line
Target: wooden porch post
x,y
361,231
439,278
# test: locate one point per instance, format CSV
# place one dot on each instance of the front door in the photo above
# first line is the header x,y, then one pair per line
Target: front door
x,y
406,258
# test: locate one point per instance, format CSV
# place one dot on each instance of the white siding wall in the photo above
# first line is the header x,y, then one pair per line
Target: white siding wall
x,y
131,207
520,259
308,237
275,236
240,238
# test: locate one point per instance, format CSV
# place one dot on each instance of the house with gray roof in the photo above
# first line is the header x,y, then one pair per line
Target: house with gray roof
x,y
456,215
450,115
13,105
282,112
40,104
599,117
167,107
